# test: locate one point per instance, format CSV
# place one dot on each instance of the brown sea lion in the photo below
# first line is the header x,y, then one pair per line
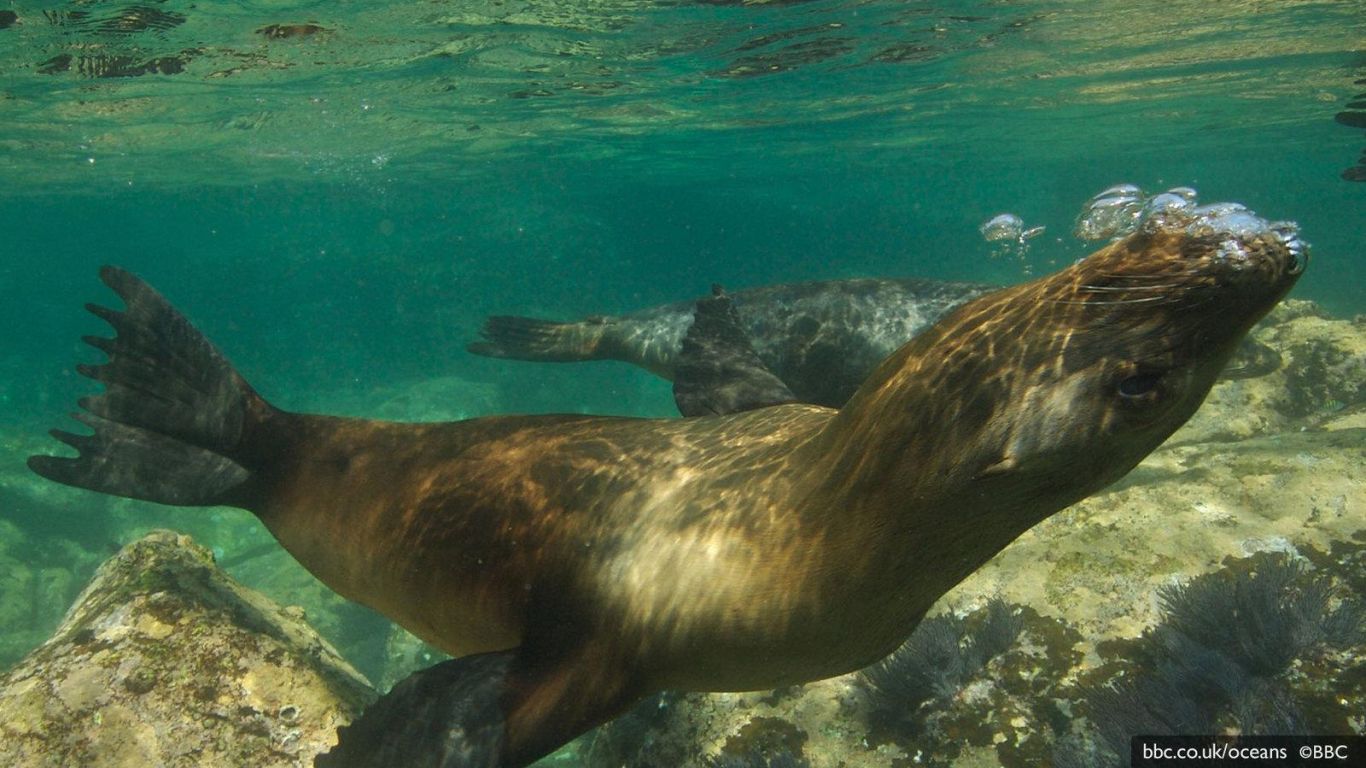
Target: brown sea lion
x,y
820,338
577,563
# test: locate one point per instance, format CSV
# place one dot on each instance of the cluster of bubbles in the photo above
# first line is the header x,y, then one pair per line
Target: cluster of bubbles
x,y
1124,209
1121,209
1009,230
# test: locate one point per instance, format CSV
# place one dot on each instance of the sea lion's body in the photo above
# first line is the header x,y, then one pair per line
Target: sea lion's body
x,y
822,338
595,510
586,561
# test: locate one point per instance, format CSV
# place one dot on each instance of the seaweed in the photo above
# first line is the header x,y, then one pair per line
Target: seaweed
x,y
763,740
941,657
1217,660
1263,619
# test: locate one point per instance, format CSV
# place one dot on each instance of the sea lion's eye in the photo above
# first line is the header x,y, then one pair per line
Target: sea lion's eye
x,y
1139,384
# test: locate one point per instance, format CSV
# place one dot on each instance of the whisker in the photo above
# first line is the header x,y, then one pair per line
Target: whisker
x,y
1121,288
1111,302
1185,272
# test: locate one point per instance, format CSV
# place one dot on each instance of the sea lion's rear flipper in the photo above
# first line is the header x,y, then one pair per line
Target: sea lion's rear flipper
x,y
169,425
445,716
490,710
545,341
718,371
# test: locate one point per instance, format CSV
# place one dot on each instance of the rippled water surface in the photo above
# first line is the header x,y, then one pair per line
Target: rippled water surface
x,y
184,94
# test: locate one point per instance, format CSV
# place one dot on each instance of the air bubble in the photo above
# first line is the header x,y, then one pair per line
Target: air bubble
x,y
1005,226
1227,219
1112,213
1123,209
1009,230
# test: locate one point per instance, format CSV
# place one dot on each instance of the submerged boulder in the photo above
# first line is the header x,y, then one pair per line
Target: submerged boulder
x,y
166,661
1321,377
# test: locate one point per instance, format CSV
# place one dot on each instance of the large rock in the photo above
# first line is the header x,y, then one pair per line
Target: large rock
x,y
165,661
1323,373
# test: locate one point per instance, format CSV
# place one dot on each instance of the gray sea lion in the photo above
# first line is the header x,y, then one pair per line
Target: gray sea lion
x,y
574,564
821,339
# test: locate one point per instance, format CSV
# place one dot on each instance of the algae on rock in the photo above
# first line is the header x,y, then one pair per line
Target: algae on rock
x,y
165,661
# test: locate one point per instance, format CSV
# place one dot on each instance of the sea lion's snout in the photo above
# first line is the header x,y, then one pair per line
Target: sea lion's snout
x,y
1221,256
1124,210
1190,246
1241,239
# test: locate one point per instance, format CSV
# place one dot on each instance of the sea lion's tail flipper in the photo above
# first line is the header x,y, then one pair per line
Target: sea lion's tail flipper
x,y
718,371
168,426
545,341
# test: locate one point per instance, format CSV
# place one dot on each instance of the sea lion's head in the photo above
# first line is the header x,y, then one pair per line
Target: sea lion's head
x,y
1055,388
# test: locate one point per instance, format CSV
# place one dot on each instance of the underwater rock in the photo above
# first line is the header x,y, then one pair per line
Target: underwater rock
x,y
166,661
797,726
1323,375
1264,646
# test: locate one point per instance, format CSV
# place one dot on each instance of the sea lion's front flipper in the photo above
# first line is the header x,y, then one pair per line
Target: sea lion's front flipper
x,y
445,716
489,710
718,371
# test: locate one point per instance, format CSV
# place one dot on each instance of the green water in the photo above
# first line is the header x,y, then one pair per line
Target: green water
x,y
339,210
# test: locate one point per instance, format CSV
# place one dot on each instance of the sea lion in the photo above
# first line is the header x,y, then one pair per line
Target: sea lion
x,y
574,564
821,338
